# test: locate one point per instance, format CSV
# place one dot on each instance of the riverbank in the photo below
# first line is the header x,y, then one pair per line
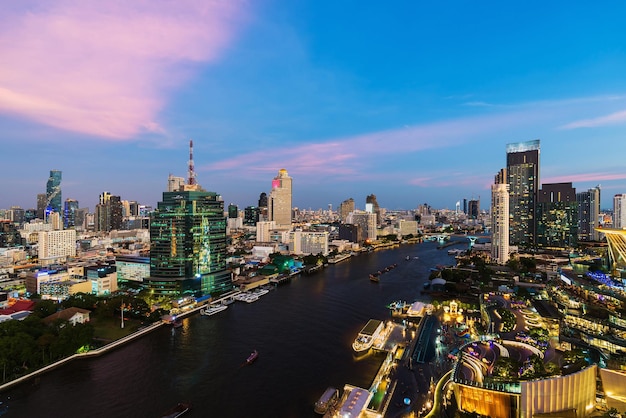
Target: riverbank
x,y
92,353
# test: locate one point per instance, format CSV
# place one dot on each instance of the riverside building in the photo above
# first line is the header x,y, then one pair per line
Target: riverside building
x,y
279,201
188,242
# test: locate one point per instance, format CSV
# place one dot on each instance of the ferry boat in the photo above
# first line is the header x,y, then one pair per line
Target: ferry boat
x,y
178,410
253,356
365,339
326,401
213,309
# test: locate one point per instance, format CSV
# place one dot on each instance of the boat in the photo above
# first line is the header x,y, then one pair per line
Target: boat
x,y
213,309
253,356
326,401
408,257
176,411
375,277
177,324
365,339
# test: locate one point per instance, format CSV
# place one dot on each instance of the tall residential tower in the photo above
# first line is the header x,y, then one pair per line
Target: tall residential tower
x,y
500,218
279,202
522,166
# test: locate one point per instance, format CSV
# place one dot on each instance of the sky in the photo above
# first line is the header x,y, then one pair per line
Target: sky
x,y
414,102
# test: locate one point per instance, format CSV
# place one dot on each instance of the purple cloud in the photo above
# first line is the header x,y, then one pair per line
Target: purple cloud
x,y
104,68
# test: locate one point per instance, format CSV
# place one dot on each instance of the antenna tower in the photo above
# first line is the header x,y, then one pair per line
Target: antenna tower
x,y
191,179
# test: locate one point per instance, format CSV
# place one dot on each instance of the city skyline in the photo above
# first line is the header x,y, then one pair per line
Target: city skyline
x,y
414,104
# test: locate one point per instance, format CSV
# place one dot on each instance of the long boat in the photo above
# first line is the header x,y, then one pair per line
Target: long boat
x,y
176,411
213,309
328,399
252,357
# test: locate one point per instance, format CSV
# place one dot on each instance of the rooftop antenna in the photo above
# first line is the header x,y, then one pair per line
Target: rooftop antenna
x,y
191,180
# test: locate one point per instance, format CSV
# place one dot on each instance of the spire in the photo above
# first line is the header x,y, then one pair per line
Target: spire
x,y
191,180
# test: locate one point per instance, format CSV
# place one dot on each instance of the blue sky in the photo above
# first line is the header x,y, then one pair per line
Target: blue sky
x,y
411,101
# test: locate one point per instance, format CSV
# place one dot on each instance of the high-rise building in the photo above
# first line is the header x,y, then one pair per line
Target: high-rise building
x,y
588,214
473,209
279,202
9,234
188,242
233,211
263,200
308,242
17,215
53,192
250,216
522,166
619,211
41,206
500,218
109,213
345,208
371,200
366,222
69,213
557,216
56,245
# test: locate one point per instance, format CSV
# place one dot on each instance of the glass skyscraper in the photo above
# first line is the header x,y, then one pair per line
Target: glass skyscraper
x,y
188,244
69,213
522,166
53,193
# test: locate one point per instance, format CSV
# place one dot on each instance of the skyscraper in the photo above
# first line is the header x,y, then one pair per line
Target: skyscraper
x,y
188,243
522,166
69,213
371,199
619,211
500,218
279,202
588,214
41,205
557,216
345,208
53,192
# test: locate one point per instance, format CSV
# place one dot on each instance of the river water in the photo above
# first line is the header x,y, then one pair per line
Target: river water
x,y
303,331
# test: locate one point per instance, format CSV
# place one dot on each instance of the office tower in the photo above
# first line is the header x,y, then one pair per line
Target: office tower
x,y
233,211
81,218
16,215
251,216
133,207
41,206
557,216
54,218
473,209
522,166
465,206
263,230
500,218
56,245
263,200
371,199
29,215
174,183
345,208
188,242
588,214
69,213
279,201
53,192
619,211
351,232
109,213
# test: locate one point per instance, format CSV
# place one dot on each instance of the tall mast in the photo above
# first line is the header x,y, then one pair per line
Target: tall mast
x,y
191,179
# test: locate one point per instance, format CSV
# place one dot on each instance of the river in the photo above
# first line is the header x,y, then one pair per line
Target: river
x,y
303,331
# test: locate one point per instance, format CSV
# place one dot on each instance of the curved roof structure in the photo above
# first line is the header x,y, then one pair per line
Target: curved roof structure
x,y
616,239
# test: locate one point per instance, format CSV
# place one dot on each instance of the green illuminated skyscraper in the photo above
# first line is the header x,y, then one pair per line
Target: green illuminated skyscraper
x,y
188,243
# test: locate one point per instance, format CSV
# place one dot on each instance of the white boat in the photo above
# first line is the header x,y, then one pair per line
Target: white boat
x,y
365,339
213,309
260,292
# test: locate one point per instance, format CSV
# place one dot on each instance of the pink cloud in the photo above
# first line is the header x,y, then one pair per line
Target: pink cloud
x,y
104,68
586,177
611,119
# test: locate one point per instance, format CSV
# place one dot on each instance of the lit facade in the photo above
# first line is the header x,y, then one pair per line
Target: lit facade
x,y
53,192
522,166
366,221
556,216
279,201
588,214
188,244
69,213
135,269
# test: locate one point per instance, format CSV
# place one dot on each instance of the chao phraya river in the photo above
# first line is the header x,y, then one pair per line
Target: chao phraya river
x,y
302,330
